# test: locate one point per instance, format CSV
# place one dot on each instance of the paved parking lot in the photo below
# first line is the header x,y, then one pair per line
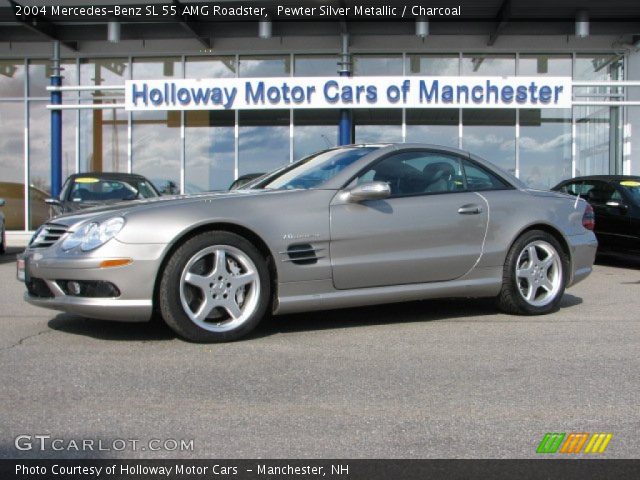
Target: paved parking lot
x,y
426,379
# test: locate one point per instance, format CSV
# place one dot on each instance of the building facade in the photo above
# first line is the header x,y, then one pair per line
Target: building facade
x,y
202,150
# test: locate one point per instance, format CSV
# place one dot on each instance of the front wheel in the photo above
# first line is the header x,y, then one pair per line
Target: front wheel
x,y
534,275
214,288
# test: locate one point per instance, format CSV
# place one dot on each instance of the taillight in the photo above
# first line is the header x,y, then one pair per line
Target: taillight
x,y
589,219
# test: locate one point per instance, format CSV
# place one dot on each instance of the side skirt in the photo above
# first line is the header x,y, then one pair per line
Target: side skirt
x,y
297,297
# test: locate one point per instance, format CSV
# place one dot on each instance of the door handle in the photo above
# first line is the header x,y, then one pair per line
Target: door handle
x,y
470,209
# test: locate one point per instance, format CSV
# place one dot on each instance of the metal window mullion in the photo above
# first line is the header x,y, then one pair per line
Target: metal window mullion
x,y
26,147
517,139
404,110
574,144
236,130
183,159
517,143
78,98
460,130
291,126
130,125
236,133
182,152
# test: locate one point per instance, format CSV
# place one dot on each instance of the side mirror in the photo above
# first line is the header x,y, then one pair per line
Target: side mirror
x,y
369,191
620,206
52,201
2,202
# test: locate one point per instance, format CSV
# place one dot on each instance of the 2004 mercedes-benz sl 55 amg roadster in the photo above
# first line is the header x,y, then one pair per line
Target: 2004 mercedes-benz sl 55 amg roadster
x,y
348,226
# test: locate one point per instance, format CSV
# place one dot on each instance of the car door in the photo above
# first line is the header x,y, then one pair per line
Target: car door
x,y
430,229
612,222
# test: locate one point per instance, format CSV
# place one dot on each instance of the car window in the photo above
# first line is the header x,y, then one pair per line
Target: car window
x,y
597,192
632,187
479,178
417,172
91,189
313,171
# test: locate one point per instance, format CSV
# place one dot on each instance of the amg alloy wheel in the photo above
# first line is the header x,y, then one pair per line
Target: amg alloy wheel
x,y
214,288
539,273
534,276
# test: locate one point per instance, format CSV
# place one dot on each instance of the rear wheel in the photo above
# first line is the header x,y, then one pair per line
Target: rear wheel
x,y
215,288
534,275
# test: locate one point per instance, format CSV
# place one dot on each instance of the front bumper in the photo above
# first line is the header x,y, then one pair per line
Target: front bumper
x,y
135,282
583,253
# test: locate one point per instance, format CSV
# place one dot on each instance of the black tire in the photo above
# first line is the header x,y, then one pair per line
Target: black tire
x,y
169,300
511,300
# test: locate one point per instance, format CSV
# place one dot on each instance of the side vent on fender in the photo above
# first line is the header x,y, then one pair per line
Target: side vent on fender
x,y
302,254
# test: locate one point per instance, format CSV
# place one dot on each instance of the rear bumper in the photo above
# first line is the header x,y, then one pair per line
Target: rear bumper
x,y
583,254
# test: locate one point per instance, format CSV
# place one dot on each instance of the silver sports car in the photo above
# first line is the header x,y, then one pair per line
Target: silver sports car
x,y
349,226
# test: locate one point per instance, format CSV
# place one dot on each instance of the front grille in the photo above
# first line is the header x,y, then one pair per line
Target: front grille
x,y
47,235
38,288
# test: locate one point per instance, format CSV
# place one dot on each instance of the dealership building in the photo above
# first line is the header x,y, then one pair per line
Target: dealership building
x,y
590,49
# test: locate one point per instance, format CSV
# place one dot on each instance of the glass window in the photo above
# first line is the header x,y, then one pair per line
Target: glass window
x,y
436,126
317,169
40,157
377,125
314,130
545,146
593,139
40,73
316,65
490,134
606,66
210,67
156,68
155,146
12,163
434,65
11,78
103,139
209,150
263,143
419,172
488,65
377,65
104,71
265,66
554,65
479,179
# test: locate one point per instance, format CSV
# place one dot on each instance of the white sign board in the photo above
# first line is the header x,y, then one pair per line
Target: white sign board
x,y
348,92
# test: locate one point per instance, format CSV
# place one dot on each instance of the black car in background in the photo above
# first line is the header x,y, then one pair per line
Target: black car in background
x,y
84,190
616,202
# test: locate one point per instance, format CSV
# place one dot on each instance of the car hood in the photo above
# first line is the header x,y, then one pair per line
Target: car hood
x,y
125,208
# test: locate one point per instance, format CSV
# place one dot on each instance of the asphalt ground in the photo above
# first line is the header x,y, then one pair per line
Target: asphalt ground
x,y
433,379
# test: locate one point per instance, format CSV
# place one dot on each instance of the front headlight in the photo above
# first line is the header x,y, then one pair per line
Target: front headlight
x,y
94,234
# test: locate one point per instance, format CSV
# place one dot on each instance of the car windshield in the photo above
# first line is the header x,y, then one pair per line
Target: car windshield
x,y
312,171
633,188
91,189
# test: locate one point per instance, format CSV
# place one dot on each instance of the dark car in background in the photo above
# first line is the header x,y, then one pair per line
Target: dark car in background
x,y
3,242
84,190
616,202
